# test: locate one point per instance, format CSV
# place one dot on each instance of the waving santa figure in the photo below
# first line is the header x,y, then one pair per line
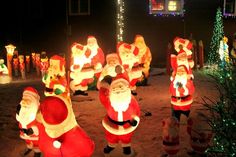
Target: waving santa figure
x,y
82,71
96,55
123,113
55,79
26,116
60,135
129,60
181,89
144,56
112,67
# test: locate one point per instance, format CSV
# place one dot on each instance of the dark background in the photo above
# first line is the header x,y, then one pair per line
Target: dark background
x,y
41,25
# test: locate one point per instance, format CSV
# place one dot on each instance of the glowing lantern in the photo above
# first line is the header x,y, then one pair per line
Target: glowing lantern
x,y
172,6
10,50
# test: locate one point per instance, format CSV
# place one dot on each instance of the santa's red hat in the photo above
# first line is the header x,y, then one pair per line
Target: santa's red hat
x,y
31,93
111,56
130,47
60,59
122,77
57,115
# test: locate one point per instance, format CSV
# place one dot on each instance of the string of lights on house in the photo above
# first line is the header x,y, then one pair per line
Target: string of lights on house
x,y
120,20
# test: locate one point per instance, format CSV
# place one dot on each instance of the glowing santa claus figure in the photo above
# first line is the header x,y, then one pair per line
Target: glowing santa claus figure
x,y
28,125
180,59
170,136
181,89
144,56
82,71
60,135
129,60
96,56
4,73
186,46
55,79
122,113
112,67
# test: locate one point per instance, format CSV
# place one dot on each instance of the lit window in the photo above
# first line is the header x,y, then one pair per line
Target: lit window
x,y
158,5
172,6
79,7
229,6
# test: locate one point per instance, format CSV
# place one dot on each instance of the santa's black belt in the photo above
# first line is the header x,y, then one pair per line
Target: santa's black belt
x,y
170,143
49,89
118,123
180,98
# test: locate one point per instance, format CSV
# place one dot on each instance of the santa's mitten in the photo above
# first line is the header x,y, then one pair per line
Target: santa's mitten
x,y
107,79
29,131
58,91
118,69
133,122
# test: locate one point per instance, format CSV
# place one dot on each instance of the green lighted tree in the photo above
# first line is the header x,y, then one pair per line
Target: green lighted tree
x,y
218,33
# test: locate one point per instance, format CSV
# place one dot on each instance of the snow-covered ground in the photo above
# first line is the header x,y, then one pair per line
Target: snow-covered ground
x,y
147,139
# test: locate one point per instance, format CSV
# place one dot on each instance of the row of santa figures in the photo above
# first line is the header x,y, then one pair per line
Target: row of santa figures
x,y
55,133
181,93
87,66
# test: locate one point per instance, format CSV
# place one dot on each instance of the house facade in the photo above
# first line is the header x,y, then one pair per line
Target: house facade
x,y
54,25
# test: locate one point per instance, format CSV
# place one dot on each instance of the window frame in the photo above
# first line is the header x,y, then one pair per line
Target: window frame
x,y
79,9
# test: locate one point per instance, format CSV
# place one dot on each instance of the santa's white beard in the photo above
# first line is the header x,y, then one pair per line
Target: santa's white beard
x,y
183,62
121,101
181,79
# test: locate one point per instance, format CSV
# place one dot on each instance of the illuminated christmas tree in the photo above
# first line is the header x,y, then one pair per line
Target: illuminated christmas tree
x,y
218,33
223,114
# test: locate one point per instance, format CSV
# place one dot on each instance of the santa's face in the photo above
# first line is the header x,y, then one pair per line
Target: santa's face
x,y
182,59
28,110
181,76
54,68
120,95
92,42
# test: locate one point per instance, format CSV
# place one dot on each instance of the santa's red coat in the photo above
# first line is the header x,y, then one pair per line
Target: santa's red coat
x,y
74,143
30,139
132,111
184,100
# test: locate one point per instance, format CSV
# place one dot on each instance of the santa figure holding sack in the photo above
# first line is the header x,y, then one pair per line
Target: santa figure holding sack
x,y
123,112
60,135
82,70
55,79
181,89
112,67
128,55
26,114
96,55
144,56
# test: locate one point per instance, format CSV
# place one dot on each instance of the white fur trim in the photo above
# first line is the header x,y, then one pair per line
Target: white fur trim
x,y
135,74
121,130
184,103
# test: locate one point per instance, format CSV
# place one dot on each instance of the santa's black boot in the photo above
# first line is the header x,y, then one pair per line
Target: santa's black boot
x,y
79,92
134,93
108,149
26,152
38,154
127,150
